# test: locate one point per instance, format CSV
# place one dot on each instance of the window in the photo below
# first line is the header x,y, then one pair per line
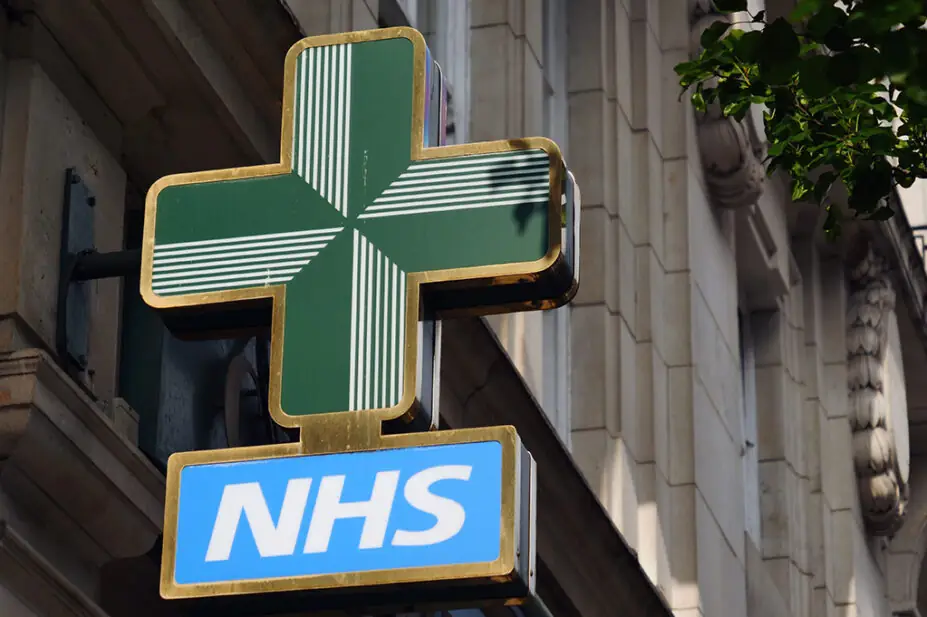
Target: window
x,y
749,453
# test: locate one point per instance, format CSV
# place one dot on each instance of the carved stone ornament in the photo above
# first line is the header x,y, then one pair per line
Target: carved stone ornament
x,y
877,403
732,151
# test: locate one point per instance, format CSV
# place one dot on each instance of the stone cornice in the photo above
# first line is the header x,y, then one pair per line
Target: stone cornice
x,y
894,239
61,457
877,449
731,151
38,584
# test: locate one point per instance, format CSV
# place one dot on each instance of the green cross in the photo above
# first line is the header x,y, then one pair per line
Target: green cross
x,y
356,217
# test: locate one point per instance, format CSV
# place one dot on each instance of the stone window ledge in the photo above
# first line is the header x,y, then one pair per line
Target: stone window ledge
x,y
65,473
36,583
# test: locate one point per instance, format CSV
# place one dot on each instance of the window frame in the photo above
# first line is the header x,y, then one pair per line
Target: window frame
x,y
749,450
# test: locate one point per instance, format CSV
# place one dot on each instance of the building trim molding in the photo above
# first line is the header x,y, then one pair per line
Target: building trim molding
x,y
38,584
881,479
732,151
62,456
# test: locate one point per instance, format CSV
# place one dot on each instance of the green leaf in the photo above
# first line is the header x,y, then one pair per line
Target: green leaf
x,y
684,68
777,73
825,20
842,69
882,142
735,34
801,186
737,110
776,148
806,8
821,77
838,40
714,32
730,6
917,94
698,101
869,63
904,178
897,53
816,109
780,42
858,26
813,78
747,47
778,53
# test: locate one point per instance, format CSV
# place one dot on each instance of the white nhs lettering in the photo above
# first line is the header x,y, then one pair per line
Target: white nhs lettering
x,y
274,540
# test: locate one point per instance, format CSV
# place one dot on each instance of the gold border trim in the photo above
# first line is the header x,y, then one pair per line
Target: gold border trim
x,y
500,569
488,275
351,431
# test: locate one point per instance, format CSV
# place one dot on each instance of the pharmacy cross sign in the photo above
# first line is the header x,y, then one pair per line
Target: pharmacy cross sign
x,y
367,232
356,217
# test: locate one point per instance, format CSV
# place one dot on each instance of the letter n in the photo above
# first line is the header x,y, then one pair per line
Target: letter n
x,y
272,540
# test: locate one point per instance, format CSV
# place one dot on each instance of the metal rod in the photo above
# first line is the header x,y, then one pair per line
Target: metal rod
x,y
92,266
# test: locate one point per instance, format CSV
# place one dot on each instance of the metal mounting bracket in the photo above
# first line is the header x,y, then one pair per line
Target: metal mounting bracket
x,y
80,263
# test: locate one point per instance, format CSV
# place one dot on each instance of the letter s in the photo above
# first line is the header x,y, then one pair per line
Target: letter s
x,y
450,514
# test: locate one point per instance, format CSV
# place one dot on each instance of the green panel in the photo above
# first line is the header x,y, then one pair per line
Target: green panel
x,y
317,331
381,117
464,211
460,239
343,335
250,206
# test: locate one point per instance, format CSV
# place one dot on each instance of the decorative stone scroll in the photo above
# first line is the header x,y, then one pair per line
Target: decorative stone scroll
x,y
732,152
877,402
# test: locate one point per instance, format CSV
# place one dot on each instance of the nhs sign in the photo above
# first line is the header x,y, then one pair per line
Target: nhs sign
x,y
410,512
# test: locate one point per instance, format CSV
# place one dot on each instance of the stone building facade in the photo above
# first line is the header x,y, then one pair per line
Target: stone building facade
x,y
726,419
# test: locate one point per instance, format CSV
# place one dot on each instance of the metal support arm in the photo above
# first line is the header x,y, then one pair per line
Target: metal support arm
x,y
90,266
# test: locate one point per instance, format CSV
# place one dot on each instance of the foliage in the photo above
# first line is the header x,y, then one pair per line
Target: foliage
x,y
844,85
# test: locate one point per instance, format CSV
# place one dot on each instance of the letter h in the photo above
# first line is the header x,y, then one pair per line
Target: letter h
x,y
329,508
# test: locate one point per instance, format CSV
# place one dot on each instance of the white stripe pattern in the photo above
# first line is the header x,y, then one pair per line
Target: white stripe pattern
x,y
378,310
504,179
211,265
322,121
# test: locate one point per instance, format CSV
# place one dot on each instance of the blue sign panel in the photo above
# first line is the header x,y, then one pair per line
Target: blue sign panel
x,y
339,513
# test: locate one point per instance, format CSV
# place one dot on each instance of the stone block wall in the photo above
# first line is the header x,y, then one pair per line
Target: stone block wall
x,y
657,409
657,419
506,100
42,135
650,429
